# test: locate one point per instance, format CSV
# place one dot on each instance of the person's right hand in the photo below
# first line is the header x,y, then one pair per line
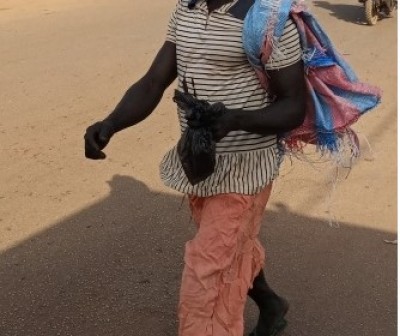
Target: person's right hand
x,y
96,138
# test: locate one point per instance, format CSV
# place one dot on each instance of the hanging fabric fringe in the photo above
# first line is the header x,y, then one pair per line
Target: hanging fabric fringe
x,y
336,98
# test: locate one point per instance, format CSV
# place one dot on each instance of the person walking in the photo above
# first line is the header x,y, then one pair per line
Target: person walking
x,y
224,261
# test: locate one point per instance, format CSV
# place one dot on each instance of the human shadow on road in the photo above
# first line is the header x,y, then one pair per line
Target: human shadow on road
x,y
114,269
345,12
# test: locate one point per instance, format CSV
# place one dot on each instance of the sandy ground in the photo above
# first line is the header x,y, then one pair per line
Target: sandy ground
x,y
95,248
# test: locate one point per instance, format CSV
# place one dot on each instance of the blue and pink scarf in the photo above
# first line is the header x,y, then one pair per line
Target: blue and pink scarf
x,y
336,99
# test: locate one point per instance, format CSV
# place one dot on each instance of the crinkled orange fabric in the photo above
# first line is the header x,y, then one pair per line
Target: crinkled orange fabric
x,y
221,263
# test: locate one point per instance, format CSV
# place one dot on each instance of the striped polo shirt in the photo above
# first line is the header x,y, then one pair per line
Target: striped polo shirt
x,y
210,56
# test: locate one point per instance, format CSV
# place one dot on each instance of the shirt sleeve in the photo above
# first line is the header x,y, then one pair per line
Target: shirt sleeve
x,y
171,31
288,50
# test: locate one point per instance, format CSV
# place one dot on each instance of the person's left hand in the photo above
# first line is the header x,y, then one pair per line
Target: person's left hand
x,y
226,123
216,116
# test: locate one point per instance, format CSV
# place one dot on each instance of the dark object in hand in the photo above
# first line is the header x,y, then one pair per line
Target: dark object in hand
x,y
196,147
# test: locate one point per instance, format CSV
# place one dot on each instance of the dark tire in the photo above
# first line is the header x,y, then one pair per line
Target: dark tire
x,y
389,14
389,11
371,12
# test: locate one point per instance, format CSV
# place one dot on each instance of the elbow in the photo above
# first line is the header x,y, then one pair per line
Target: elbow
x,y
298,113
300,116
152,84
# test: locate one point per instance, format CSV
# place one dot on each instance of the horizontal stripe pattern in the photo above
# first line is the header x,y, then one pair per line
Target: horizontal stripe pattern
x,y
244,173
210,56
288,50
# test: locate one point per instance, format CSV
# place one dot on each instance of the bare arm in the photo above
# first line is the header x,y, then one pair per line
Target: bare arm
x,y
142,98
284,114
137,104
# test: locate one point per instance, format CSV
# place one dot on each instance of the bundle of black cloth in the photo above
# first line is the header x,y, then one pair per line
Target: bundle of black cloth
x,y
197,146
